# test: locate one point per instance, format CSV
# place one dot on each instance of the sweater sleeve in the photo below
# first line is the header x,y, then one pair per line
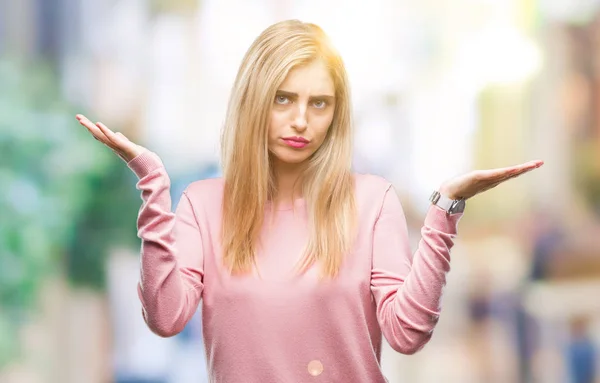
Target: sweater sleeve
x,y
407,287
171,268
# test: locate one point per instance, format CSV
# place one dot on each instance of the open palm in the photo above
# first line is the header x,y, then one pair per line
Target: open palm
x,y
468,185
117,142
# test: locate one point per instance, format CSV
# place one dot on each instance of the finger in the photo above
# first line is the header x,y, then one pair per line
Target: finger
x,y
101,133
118,139
87,123
529,165
120,136
94,130
535,163
510,171
516,173
112,137
503,172
490,183
510,176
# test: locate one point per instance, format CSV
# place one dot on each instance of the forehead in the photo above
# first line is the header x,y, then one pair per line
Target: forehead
x,y
310,78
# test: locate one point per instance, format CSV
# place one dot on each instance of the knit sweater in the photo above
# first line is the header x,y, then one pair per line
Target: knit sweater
x,y
272,325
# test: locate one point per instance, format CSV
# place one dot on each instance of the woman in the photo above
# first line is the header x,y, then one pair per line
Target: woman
x,y
300,264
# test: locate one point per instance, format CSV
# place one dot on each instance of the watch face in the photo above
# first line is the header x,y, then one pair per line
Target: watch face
x,y
459,207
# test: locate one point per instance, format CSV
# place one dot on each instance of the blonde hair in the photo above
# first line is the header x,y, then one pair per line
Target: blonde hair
x,y
328,187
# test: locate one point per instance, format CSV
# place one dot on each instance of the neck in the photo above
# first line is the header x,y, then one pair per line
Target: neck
x,y
288,182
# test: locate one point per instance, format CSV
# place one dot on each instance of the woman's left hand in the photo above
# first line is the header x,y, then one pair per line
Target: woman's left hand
x,y
467,185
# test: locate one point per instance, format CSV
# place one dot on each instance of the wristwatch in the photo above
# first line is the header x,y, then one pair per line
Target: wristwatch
x,y
451,206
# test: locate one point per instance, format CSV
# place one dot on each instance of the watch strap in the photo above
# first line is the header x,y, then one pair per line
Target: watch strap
x,y
447,204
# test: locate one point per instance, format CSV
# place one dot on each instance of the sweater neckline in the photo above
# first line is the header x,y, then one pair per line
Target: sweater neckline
x,y
296,203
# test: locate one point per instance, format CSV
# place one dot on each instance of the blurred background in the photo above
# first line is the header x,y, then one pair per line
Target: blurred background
x,y
439,88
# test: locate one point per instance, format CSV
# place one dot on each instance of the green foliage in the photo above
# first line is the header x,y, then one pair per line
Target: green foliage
x,y
109,220
65,199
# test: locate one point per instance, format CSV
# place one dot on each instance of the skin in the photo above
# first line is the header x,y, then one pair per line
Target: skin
x,y
304,107
470,184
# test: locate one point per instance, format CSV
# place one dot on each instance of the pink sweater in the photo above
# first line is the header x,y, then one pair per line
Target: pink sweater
x,y
277,327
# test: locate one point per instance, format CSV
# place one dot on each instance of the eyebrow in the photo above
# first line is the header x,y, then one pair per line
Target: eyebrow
x,y
295,95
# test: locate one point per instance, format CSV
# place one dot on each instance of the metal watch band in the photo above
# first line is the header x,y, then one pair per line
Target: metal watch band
x,y
447,204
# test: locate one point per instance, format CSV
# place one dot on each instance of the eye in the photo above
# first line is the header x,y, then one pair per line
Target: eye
x,y
282,100
320,104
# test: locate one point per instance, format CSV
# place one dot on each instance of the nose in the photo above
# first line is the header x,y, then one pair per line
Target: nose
x,y
299,122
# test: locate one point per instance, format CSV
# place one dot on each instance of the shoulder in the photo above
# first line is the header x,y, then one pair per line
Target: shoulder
x,y
370,185
371,190
209,189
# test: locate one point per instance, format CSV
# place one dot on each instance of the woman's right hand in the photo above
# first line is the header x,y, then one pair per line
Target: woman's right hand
x,y
117,142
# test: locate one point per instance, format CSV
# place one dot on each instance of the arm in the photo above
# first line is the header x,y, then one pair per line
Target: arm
x,y
407,288
171,279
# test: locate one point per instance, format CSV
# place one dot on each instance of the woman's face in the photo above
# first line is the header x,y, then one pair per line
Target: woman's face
x,y
302,113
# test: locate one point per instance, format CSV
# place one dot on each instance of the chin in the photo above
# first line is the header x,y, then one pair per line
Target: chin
x,y
295,157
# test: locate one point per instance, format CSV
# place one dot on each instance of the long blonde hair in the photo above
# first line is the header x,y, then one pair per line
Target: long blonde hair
x,y
328,187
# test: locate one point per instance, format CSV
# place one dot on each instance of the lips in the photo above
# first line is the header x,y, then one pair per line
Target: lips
x,y
296,139
296,142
